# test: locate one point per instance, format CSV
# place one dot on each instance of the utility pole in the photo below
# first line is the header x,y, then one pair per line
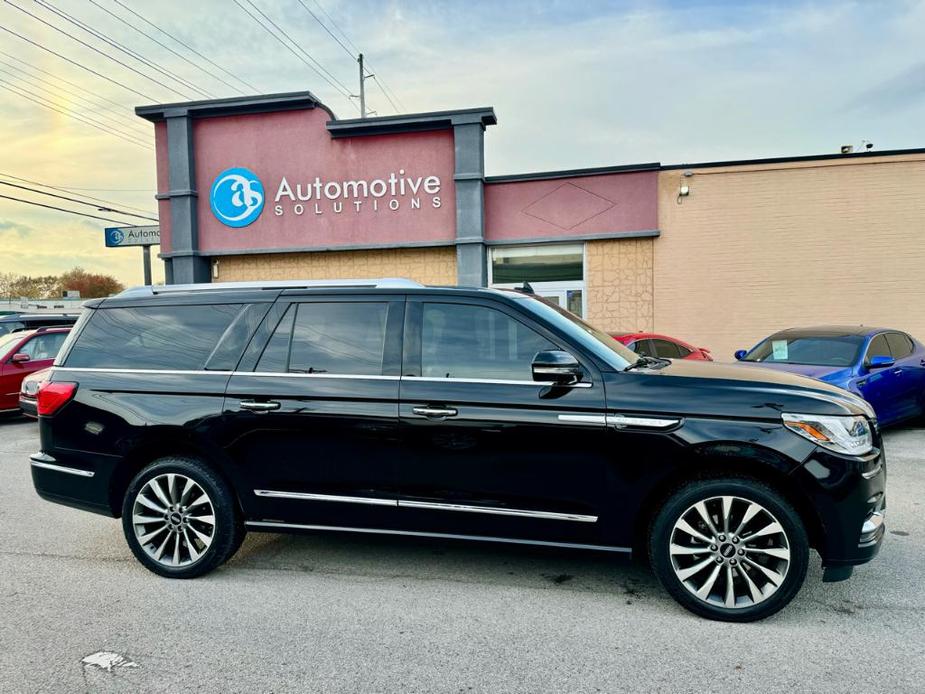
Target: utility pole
x,y
362,88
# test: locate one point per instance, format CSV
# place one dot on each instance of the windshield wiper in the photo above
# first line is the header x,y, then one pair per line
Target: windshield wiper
x,y
647,362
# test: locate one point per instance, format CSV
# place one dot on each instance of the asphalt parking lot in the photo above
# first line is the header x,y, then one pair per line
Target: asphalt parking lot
x,y
329,613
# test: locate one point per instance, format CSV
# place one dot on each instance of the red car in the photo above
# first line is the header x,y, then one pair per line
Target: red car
x,y
23,353
654,345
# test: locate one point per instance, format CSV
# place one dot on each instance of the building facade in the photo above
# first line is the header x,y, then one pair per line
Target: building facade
x,y
275,187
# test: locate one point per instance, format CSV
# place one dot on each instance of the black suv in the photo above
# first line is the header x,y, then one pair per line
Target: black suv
x,y
197,413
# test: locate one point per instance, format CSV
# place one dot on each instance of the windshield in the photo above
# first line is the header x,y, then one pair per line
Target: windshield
x,y
599,343
810,350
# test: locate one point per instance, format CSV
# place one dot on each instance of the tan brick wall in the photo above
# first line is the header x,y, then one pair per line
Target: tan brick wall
x,y
426,265
754,249
619,277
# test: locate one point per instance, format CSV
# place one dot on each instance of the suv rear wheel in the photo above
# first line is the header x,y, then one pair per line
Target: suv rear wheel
x,y
729,549
180,518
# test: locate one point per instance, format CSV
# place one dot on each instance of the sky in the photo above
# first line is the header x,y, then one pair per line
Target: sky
x,y
574,84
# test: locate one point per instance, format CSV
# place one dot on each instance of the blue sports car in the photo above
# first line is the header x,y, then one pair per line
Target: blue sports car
x,y
885,367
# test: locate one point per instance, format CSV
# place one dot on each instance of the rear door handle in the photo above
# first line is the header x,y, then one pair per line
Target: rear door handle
x,y
435,411
255,406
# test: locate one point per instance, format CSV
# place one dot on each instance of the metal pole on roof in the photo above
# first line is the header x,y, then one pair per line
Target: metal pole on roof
x,y
362,88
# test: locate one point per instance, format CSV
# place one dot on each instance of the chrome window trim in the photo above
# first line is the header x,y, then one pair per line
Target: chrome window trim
x,y
497,511
281,374
268,526
497,381
303,496
179,372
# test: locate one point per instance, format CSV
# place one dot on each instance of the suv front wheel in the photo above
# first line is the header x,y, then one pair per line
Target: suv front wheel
x,y
180,518
730,549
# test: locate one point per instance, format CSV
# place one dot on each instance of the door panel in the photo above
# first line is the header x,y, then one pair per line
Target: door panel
x,y
879,387
500,455
312,446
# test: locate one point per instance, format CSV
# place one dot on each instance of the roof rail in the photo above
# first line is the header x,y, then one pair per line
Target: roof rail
x,y
382,283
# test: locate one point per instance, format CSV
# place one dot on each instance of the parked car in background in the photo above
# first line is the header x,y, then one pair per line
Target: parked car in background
x,y
884,366
23,353
662,346
30,321
28,392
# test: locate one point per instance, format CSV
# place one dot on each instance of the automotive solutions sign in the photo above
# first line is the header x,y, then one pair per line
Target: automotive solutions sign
x,y
237,196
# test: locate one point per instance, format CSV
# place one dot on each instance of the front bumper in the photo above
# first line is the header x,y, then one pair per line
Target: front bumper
x,y
29,407
849,496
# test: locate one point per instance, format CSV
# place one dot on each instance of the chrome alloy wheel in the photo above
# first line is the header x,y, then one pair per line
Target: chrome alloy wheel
x,y
174,520
730,552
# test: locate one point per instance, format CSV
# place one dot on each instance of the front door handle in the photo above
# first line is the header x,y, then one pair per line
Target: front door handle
x,y
435,411
255,406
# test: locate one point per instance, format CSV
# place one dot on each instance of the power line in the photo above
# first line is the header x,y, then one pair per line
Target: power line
x,y
62,209
341,89
308,55
121,107
97,50
352,54
109,131
90,120
120,47
185,45
71,189
87,197
382,86
74,62
76,200
163,45
73,94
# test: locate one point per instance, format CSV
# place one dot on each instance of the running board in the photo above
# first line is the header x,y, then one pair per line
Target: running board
x,y
271,526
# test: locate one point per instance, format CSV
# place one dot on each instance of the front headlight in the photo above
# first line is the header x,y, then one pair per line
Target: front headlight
x,y
846,435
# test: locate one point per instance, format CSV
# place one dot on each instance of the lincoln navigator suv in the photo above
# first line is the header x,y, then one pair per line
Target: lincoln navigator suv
x,y
197,413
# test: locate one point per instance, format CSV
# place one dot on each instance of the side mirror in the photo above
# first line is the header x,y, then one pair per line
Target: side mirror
x,y
20,358
556,366
878,362
740,354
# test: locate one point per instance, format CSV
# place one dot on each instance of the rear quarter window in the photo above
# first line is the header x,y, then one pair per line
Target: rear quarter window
x,y
151,337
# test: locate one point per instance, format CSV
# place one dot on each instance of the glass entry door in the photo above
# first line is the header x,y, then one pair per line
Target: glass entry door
x,y
554,271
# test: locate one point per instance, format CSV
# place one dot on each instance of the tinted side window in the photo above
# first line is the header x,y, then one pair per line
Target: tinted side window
x,y
900,345
463,341
151,337
667,349
338,338
644,348
879,347
275,357
42,347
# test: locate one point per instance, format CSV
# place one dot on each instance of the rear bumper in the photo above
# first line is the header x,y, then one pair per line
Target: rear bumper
x,y
64,482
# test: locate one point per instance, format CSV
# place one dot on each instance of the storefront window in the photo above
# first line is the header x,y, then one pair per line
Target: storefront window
x,y
555,271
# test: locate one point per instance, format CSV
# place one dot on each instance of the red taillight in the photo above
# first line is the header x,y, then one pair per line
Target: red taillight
x,y
52,396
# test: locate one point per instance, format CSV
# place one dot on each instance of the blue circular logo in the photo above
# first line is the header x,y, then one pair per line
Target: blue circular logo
x,y
236,197
116,236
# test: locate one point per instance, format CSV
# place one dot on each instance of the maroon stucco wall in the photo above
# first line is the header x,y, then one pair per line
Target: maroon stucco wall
x,y
576,206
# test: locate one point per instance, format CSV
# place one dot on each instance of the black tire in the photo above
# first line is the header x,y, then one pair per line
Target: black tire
x,y
228,532
746,490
